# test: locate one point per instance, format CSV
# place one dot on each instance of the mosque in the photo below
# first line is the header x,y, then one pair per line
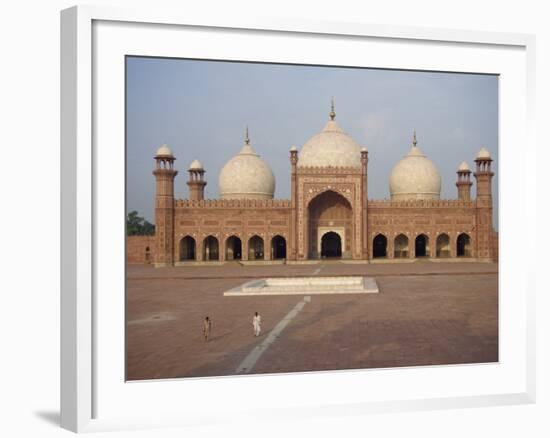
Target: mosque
x,y
328,215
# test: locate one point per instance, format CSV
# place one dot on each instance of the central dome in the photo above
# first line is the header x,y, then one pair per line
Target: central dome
x,y
415,177
246,176
332,147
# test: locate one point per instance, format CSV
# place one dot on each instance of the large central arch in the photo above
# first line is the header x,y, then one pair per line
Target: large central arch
x,y
329,212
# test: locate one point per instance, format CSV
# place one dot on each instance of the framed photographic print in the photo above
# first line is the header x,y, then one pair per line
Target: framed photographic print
x,y
329,216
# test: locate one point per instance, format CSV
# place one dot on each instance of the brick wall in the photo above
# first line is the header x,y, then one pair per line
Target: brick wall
x,y
224,218
495,245
140,249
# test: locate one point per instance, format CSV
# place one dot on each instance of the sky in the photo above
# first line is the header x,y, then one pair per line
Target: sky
x,y
201,108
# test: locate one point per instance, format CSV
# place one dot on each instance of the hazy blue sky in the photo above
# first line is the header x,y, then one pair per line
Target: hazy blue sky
x,y
201,108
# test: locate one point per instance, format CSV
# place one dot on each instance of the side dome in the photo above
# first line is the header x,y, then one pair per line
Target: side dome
x,y
415,177
332,147
246,176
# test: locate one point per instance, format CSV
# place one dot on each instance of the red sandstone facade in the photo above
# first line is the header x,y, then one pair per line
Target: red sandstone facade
x,y
328,216
140,249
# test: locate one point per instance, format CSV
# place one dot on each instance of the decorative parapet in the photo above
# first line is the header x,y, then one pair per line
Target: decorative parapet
x,y
422,203
285,203
328,170
233,203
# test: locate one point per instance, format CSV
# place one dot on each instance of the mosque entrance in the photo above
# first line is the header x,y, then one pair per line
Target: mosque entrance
x,y
331,245
329,212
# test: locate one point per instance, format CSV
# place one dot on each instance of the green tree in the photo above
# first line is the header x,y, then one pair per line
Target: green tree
x,y
138,226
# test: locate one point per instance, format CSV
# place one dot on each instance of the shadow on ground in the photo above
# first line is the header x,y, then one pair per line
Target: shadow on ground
x,y
51,417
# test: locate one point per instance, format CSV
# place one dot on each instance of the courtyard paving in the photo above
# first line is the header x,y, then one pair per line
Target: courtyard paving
x,y
425,314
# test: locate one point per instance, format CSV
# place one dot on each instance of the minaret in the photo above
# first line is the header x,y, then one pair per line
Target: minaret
x,y
364,203
293,250
196,181
463,182
483,175
484,205
164,206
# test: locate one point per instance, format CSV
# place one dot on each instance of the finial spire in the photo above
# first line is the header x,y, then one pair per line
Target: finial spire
x,y
414,138
246,138
332,113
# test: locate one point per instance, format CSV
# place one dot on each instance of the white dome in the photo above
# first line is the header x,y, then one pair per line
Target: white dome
x,y
246,176
464,167
196,165
483,153
415,177
164,151
331,147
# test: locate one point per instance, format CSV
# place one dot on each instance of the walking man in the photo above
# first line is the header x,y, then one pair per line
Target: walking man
x,y
257,324
206,327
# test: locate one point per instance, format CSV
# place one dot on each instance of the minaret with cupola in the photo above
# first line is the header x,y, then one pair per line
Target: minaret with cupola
x,y
463,182
293,241
196,181
364,199
484,205
164,206
364,202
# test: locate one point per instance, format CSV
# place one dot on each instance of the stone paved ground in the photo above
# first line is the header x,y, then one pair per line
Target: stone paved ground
x,y
426,313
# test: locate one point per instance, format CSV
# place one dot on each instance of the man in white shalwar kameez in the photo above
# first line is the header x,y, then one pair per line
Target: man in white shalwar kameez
x,y
257,324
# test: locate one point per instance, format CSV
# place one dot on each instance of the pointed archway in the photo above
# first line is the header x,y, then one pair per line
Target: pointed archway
x,y
401,247
443,246
330,212
233,248
463,245
421,248
379,246
210,249
278,247
187,248
256,248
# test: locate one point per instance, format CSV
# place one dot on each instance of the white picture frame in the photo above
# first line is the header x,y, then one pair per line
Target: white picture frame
x,y
83,318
